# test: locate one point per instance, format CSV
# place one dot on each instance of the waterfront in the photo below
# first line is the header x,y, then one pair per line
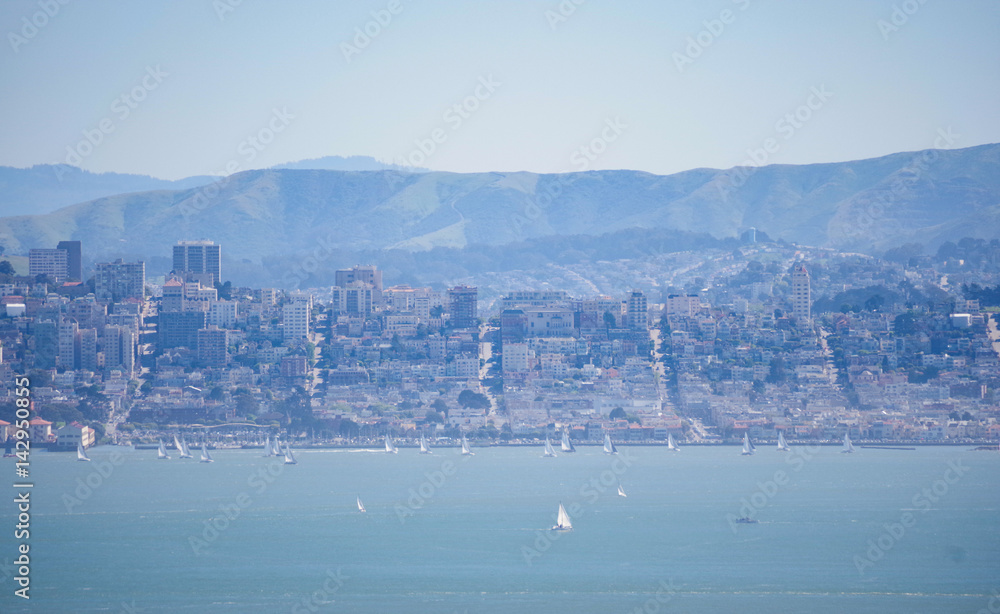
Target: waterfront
x,y
446,533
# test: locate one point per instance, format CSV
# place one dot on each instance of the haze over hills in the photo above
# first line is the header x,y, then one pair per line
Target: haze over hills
x,y
48,187
349,163
271,221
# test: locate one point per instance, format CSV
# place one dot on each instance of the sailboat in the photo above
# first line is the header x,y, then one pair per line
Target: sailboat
x,y
748,447
361,506
671,444
289,457
390,448
161,452
609,448
466,450
563,523
567,445
548,448
185,450
848,446
267,447
182,448
81,454
621,491
424,449
275,447
205,456
782,444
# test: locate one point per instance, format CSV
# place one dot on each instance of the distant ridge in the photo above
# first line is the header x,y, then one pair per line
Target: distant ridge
x,y
271,221
46,187
350,163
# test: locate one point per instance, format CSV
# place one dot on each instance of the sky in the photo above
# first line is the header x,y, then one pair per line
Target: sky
x,y
175,88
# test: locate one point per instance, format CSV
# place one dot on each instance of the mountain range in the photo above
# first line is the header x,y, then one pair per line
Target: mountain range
x,y
272,221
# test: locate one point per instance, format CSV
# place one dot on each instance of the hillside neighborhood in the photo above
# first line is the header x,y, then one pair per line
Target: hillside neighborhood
x,y
763,339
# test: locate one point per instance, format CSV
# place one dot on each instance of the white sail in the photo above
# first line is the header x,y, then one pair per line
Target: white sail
x,y
567,445
621,491
782,444
466,450
748,448
848,446
267,447
289,457
178,447
161,453
81,454
205,456
563,522
609,447
275,447
424,449
390,448
548,448
671,444
185,450
361,506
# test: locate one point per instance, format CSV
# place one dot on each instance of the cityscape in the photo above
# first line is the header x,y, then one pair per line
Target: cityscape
x,y
500,307
768,338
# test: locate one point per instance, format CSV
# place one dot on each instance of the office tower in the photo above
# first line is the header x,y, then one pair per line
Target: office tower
x,y
368,274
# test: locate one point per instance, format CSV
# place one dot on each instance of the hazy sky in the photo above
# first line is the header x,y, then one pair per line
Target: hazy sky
x,y
179,87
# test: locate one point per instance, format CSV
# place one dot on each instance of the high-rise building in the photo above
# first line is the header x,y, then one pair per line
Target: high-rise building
x,y
88,349
199,258
636,312
462,305
69,343
295,317
46,337
51,262
801,299
118,345
356,299
119,280
180,328
74,258
368,274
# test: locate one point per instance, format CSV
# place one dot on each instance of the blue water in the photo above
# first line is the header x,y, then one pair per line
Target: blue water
x,y
446,533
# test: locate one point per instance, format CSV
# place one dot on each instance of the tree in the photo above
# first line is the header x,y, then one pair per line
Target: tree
x,y
225,290
6,268
433,416
618,413
473,400
440,406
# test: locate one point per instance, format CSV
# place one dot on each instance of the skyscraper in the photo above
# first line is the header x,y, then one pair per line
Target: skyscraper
x,y
801,298
197,259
